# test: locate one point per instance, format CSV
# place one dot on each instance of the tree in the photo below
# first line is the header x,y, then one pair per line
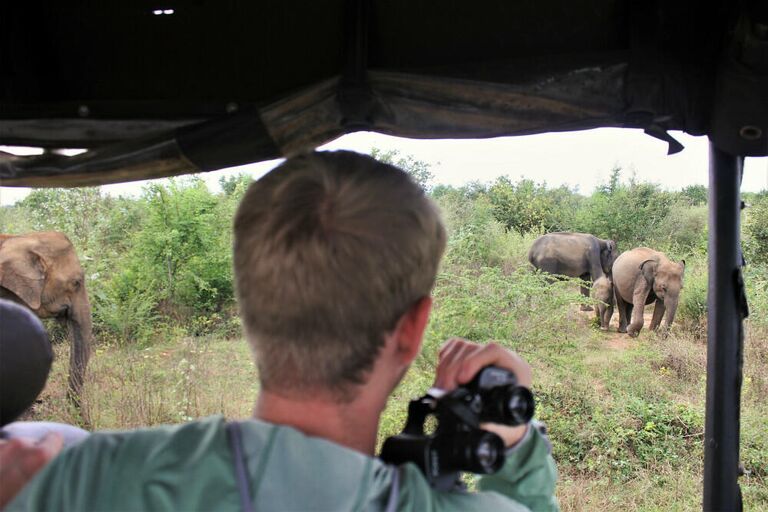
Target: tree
x,y
527,206
695,194
419,170
629,213
235,185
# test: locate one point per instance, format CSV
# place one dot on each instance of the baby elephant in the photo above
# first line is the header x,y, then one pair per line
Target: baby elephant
x,y
602,290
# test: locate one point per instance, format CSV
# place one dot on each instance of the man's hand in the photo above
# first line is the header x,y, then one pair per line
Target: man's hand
x,y
21,459
460,360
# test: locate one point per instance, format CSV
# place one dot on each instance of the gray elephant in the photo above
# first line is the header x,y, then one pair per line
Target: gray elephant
x,y
602,290
643,276
574,255
42,272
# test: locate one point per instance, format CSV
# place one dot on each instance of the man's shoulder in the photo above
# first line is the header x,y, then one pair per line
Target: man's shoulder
x,y
114,466
145,443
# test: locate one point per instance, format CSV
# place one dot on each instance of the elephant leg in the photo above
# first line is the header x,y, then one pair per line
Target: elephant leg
x,y
642,288
658,313
624,313
606,320
585,292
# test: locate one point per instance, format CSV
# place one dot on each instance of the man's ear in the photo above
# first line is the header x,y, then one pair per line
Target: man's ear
x,y
409,331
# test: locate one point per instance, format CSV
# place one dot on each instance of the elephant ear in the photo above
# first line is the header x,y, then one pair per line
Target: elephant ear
x,y
648,268
23,273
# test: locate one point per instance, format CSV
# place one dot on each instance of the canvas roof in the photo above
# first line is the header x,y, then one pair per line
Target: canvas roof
x,y
158,88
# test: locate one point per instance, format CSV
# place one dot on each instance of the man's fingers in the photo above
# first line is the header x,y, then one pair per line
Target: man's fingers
x,y
460,360
450,348
495,354
450,362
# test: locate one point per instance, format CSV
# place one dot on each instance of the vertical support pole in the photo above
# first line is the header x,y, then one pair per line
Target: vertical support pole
x,y
724,336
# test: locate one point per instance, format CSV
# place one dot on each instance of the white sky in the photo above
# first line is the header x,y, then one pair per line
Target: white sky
x,y
578,159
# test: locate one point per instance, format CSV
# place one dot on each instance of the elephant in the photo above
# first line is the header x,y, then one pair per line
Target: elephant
x,y
643,276
574,255
42,272
602,290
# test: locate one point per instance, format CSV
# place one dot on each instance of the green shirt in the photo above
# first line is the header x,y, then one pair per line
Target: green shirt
x,y
190,467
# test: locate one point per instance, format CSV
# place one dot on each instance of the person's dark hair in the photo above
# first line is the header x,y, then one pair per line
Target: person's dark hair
x,y
25,360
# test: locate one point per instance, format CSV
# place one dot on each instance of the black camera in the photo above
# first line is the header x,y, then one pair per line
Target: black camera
x,y
458,444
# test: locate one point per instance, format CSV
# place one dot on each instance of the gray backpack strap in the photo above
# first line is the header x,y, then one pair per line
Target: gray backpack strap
x,y
394,491
235,438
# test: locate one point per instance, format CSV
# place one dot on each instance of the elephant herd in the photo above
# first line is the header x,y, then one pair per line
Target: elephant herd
x,y
628,281
42,271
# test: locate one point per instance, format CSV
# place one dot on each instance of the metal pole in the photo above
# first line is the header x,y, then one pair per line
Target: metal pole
x,y
726,309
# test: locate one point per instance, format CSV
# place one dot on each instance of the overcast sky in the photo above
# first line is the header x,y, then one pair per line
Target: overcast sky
x,y
577,159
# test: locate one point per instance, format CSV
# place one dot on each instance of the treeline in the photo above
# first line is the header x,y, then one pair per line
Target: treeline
x,y
160,264
155,265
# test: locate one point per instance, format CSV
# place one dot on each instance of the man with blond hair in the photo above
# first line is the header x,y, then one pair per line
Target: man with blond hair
x,y
335,257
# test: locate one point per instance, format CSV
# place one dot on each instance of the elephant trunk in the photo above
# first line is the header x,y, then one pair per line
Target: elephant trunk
x,y
80,326
670,305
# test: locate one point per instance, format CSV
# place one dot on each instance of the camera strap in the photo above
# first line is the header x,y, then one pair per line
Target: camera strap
x,y
235,438
394,491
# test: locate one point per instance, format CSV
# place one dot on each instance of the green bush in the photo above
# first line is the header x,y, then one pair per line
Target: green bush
x,y
756,231
527,206
683,231
692,308
632,213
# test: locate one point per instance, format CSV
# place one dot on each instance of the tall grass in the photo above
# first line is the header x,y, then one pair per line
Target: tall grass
x,y
625,415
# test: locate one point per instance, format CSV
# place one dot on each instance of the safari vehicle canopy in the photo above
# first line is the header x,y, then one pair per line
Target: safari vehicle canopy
x,y
164,87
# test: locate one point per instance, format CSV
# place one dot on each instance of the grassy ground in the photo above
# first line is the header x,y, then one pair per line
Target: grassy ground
x,y
625,416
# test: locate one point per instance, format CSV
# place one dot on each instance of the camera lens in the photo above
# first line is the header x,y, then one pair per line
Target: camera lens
x,y
476,451
508,405
520,406
486,454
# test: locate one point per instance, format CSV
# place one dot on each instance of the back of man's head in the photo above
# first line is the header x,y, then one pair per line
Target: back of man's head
x,y
330,250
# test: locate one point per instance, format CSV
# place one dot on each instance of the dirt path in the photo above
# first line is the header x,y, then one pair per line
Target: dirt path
x,y
614,339
615,343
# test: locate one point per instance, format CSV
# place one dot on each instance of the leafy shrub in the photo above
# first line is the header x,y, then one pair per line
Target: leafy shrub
x,y
123,313
756,231
419,170
683,230
756,280
631,214
692,308
695,195
183,248
527,206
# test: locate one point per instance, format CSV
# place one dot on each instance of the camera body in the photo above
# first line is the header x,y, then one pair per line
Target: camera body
x,y
458,444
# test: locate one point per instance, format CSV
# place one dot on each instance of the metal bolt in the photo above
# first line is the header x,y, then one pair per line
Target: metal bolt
x,y
750,132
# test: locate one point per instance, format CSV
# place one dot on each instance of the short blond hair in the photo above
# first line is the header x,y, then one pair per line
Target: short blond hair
x,y
330,250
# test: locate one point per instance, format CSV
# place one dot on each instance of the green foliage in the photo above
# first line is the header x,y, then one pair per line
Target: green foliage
x,y
235,185
692,308
756,231
73,211
182,251
683,231
528,207
695,195
625,416
420,171
631,214
125,314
